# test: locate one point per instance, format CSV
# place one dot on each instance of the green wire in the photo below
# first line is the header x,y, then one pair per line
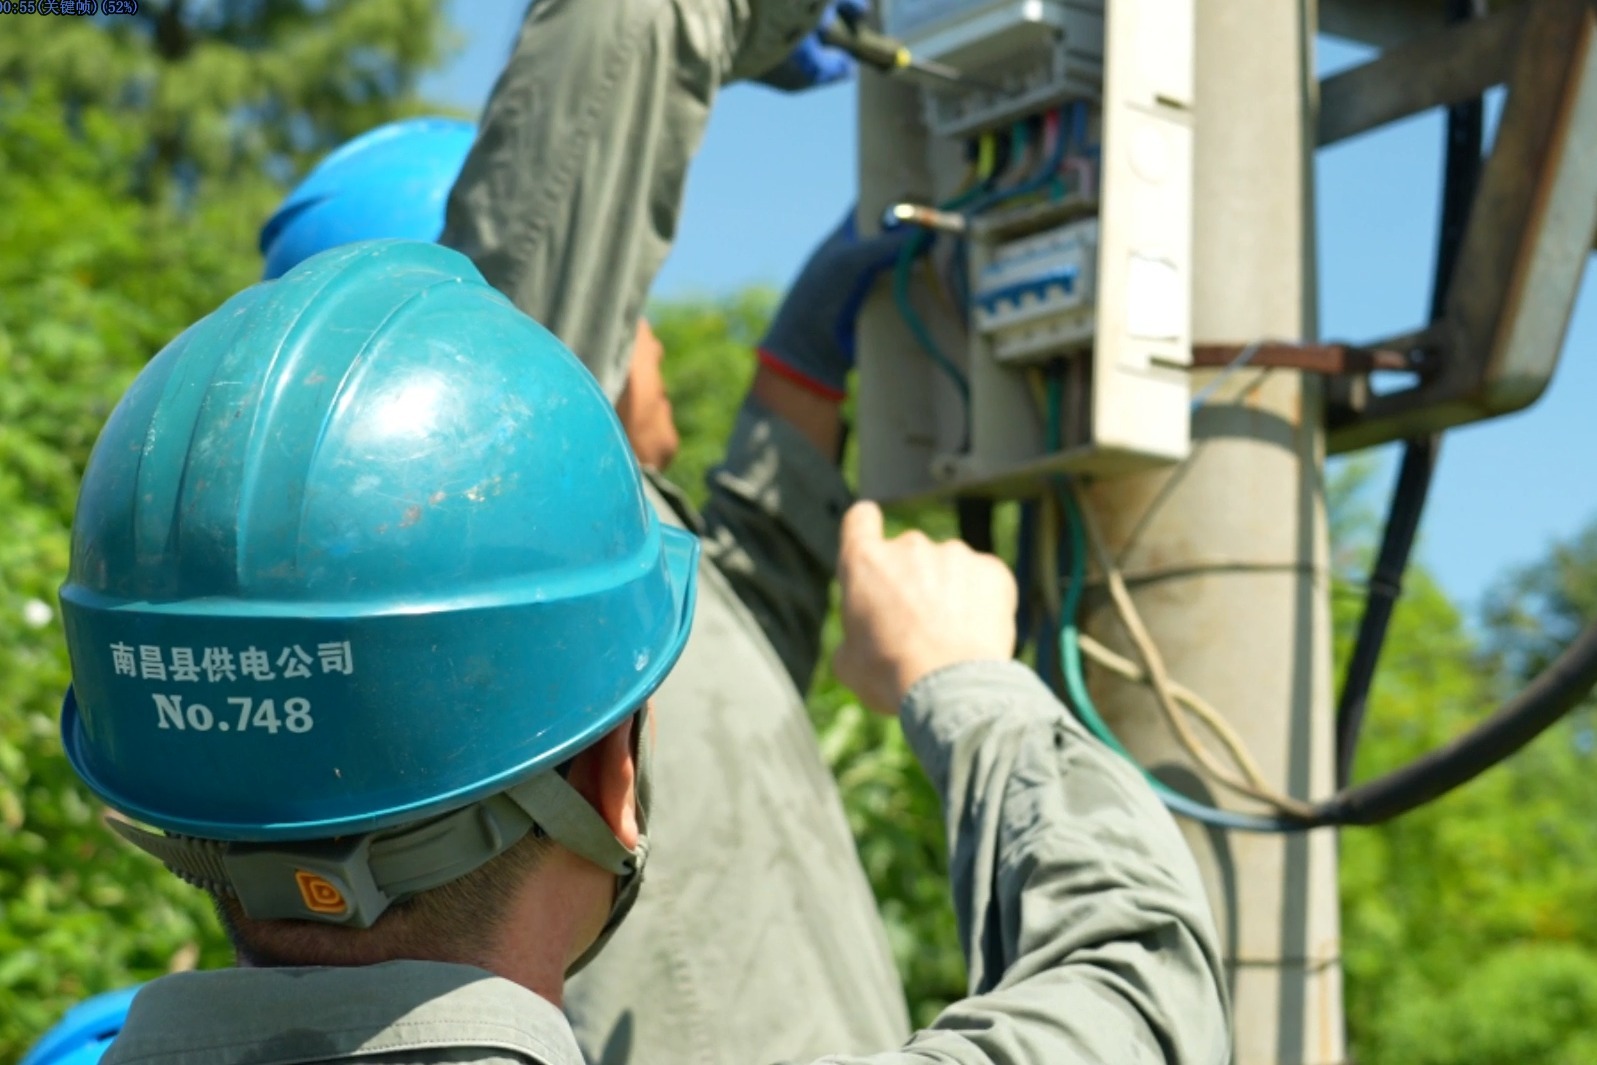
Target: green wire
x,y
906,259
1069,632
1070,609
1075,677
907,255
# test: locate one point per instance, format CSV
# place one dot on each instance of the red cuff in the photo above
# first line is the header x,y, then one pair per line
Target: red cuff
x,y
771,362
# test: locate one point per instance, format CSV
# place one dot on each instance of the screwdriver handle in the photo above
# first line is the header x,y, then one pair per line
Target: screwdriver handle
x,y
866,45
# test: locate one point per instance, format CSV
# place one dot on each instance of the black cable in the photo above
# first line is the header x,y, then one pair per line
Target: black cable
x,y
1385,585
1026,610
1461,174
975,515
1554,692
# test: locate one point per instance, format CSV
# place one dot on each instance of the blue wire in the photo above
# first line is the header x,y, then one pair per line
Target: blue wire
x,y
1078,130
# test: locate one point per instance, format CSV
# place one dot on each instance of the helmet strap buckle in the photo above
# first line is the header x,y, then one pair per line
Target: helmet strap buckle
x,y
330,881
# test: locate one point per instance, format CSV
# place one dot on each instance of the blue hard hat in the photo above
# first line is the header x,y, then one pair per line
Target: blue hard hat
x,y
84,1035
364,545
391,182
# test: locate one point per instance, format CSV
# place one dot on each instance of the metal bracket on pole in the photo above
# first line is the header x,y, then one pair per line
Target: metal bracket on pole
x,y
1531,227
1330,360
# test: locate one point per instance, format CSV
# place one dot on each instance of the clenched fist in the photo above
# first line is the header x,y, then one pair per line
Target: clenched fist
x,y
912,606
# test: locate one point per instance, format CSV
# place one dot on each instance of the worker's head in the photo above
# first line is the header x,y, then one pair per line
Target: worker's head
x,y
364,607
393,182
86,1032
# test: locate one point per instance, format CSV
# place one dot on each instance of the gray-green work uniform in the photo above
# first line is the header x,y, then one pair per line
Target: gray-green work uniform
x,y
1080,908
755,937
750,855
568,204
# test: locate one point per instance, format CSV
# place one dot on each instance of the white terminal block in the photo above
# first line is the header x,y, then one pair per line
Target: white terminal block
x,y
1036,298
969,35
1027,55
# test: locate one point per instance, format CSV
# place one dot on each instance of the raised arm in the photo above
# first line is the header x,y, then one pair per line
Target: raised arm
x,y
1084,923
568,201
771,520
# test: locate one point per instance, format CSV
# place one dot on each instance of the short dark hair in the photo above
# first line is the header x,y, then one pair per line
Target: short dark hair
x,y
458,921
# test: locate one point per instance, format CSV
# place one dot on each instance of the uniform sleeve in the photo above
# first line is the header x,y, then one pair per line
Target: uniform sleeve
x,y
569,199
770,525
1083,920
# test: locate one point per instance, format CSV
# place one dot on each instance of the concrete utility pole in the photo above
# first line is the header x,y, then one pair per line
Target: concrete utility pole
x,y
1227,558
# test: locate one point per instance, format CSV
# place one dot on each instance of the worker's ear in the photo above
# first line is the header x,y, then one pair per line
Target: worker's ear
x,y
606,775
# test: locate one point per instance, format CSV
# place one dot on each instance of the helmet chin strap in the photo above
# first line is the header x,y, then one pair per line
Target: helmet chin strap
x,y
351,881
630,880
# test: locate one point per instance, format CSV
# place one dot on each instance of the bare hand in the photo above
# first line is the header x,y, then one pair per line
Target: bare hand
x,y
912,606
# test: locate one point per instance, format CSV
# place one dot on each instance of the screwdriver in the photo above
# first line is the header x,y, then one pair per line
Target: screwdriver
x,y
888,55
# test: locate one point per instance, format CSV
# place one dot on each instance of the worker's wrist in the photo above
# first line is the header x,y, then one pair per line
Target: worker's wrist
x,y
815,416
949,699
919,680
830,385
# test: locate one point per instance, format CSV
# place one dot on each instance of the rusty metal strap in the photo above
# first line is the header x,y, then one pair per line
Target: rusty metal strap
x,y
1333,360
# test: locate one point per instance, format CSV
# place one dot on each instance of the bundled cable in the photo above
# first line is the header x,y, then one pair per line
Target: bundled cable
x,y
1071,557
1556,691
1044,174
1552,694
920,244
1074,546
1252,784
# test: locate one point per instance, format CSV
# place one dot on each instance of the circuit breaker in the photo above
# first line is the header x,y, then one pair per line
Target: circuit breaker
x,y
1034,298
1048,328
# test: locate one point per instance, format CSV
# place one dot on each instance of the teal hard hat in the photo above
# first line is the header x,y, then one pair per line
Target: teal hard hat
x,y
364,545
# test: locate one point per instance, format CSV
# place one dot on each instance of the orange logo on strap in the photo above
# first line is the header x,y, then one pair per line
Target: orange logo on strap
x,y
319,894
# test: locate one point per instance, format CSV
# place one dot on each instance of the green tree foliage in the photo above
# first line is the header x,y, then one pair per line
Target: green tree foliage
x,y
236,89
1530,1002
138,156
1536,610
141,155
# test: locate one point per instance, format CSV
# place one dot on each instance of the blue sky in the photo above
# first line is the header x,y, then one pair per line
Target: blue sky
x,y
776,171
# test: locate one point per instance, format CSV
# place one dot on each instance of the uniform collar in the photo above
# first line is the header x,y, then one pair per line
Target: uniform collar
x,y
295,1015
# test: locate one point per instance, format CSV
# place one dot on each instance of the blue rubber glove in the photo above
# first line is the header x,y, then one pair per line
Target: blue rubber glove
x,y
811,339
812,63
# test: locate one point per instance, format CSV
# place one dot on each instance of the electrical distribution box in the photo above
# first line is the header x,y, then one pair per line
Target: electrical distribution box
x,y
1049,329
